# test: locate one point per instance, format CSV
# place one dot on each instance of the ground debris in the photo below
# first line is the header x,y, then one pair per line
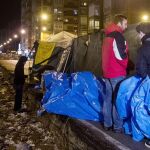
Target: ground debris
x,y
21,131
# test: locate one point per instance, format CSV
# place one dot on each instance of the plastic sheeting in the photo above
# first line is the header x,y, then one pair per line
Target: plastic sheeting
x,y
77,95
133,103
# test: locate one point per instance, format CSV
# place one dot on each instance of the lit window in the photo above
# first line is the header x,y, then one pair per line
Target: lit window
x,y
66,20
75,12
91,24
96,24
55,11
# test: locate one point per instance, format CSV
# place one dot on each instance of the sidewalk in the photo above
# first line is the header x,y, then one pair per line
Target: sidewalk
x,y
10,65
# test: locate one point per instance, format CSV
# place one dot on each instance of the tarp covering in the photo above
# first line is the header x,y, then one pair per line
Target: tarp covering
x,y
86,54
44,51
63,39
133,104
52,55
77,95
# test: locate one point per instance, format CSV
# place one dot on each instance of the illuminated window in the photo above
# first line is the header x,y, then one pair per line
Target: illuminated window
x,y
91,24
96,24
75,12
66,20
55,11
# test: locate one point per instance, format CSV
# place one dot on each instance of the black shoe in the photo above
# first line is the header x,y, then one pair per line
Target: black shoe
x,y
119,130
107,128
21,110
147,143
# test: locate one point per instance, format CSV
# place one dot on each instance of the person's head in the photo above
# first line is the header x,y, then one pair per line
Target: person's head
x,y
22,60
143,28
121,21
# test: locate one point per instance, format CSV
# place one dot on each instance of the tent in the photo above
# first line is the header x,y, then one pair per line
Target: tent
x,y
86,54
49,53
63,39
72,54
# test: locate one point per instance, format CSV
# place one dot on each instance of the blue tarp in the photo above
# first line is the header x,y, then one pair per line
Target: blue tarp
x,y
133,104
78,95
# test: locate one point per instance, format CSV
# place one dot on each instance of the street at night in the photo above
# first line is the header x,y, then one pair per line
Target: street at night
x,y
75,75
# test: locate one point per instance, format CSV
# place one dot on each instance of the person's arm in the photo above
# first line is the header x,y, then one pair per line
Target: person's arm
x,y
119,46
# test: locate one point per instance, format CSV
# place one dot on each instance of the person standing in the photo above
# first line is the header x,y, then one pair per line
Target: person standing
x,y
114,66
143,58
19,80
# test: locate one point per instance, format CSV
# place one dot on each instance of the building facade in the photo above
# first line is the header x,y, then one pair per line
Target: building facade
x,y
79,17
60,15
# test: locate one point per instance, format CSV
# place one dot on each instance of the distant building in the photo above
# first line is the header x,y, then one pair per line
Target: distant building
x,y
79,17
62,15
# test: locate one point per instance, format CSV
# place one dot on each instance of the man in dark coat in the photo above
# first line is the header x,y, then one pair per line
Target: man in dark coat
x,y
19,80
143,59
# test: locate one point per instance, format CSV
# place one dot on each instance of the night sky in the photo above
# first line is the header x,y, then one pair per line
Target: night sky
x,y
10,10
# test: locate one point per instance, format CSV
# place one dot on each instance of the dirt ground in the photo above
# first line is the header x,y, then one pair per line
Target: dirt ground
x,y
20,131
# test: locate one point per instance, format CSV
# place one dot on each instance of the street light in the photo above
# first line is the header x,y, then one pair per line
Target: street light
x,y
44,16
145,17
44,28
10,39
15,36
23,31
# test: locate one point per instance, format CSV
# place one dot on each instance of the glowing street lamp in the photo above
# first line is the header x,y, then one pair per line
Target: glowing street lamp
x,y
145,17
44,28
10,39
23,31
4,43
15,36
44,16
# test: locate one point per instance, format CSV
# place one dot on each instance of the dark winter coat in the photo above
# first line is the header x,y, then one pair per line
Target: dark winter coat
x,y
19,77
143,59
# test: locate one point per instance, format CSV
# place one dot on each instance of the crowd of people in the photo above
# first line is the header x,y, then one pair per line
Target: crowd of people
x,y
115,62
114,66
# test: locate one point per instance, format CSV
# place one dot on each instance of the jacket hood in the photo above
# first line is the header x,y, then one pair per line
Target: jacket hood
x,y
146,39
112,27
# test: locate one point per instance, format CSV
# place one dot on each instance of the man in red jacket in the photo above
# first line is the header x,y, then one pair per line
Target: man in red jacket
x,y
114,65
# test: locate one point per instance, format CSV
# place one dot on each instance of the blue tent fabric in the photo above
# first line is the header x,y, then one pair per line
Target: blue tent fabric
x,y
77,95
125,93
134,106
80,95
140,104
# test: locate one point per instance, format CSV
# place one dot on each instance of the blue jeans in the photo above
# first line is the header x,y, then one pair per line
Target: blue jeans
x,y
111,117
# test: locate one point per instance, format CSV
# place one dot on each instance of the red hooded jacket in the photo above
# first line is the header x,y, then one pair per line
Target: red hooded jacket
x,y
114,53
